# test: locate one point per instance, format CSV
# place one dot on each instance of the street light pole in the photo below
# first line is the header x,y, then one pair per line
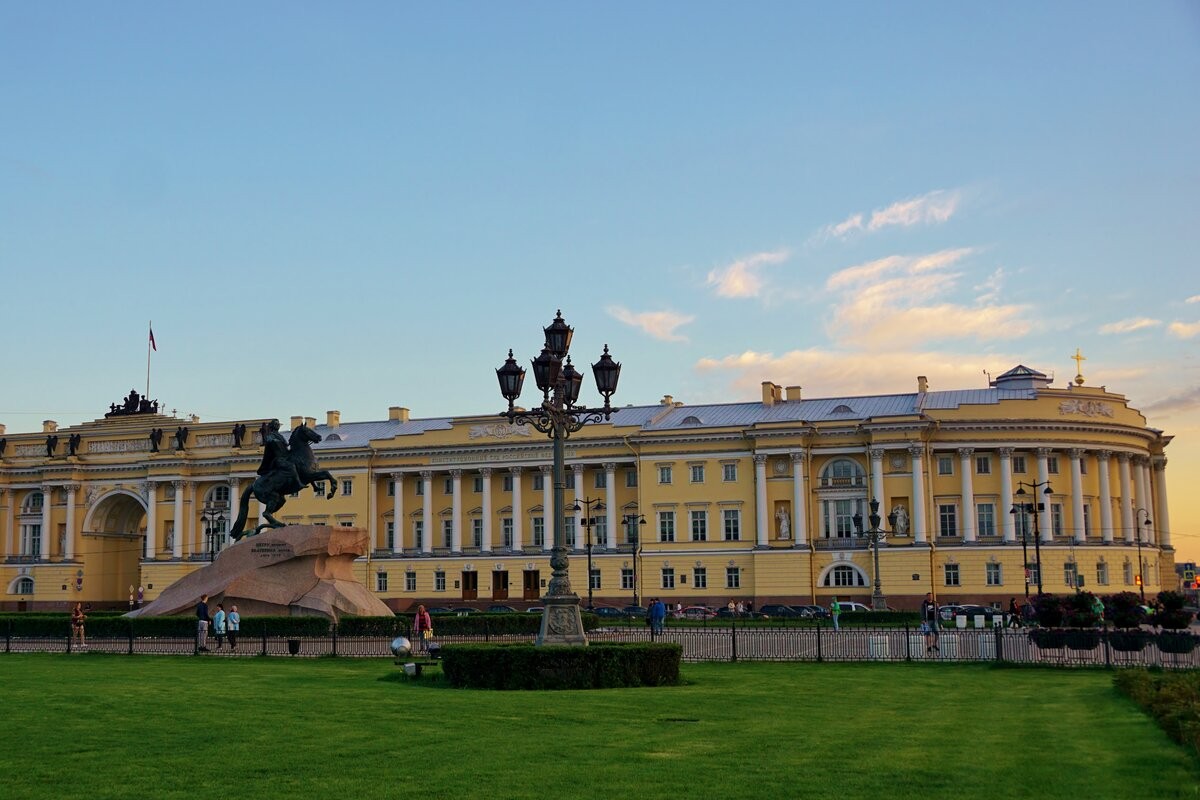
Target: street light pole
x,y
558,417
1138,533
632,524
588,521
1034,509
878,601
1020,509
214,520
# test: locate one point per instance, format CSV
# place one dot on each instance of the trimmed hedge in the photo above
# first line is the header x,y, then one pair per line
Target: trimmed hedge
x,y
1172,699
519,624
598,666
181,626
889,618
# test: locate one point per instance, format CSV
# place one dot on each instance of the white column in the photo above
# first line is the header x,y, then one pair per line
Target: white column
x,y
1162,520
799,510
518,511
1008,521
610,505
44,555
1077,493
486,475
1126,497
1143,499
548,507
761,519
916,453
8,498
1106,516
70,488
151,520
456,535
577,470
965,457
427,511
398,512
180,530
1042,500
877,479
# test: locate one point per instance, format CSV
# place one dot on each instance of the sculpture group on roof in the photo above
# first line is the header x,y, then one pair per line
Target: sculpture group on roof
x,y
134,403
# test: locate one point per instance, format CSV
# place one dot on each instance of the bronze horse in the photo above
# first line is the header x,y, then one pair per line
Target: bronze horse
x,y
286,470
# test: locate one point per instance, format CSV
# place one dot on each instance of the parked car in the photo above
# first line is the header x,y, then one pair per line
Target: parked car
x,y
948,611
725,613
607,612
812,612
696,612
534,610
974,611
462,611
639,612
774,610
438,610
501,610
850,605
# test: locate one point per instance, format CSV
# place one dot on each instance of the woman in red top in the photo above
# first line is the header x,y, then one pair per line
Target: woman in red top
x,y
422,627
77,618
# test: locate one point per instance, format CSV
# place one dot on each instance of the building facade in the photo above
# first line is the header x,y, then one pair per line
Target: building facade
x,y
760,502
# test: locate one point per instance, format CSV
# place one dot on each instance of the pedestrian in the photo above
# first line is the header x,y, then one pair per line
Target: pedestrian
x,y
422,628
1098,609
77,619
1014,613
658,612
835,611
930,623
219,625
741,608
233,624
202,621
678,610
732,607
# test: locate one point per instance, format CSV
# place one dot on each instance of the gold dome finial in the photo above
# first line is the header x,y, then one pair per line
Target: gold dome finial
x,y
1079,358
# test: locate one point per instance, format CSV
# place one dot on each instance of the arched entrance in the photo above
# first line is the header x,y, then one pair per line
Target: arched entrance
x,y
114,533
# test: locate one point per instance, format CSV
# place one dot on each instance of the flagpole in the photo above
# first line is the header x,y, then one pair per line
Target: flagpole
x,y
148,341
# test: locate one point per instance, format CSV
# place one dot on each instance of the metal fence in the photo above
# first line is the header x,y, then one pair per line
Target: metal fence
x,y
729,643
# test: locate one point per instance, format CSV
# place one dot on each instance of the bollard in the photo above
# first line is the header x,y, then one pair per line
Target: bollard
x,y
999,644
819,658
733,639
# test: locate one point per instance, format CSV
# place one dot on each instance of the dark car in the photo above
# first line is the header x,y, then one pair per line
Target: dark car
x,y
607,612
812,612
725,613
974,611
776,610
462,611
439,610
635,611
501,610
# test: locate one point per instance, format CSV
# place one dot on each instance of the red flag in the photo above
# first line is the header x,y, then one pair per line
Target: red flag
x,y
152,344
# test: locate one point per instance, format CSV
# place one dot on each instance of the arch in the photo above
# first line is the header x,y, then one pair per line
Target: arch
x,y
22,584
842,574
217,495
33,502
842,469
113,511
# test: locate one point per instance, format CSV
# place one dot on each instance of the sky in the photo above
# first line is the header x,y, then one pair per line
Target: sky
x,y
354,206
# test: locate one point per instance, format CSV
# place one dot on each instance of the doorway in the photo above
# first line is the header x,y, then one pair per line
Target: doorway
x,y
531,584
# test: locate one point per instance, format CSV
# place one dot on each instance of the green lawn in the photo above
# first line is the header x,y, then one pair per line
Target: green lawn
x,y
95,726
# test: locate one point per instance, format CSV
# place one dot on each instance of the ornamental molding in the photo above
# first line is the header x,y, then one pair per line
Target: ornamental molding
x,y
1089,408
30,450
119,446
498,430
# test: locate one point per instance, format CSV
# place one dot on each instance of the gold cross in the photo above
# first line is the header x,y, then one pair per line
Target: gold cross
x,y
1078,358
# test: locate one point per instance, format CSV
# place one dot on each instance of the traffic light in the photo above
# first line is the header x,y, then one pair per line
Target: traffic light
x,y
1137,579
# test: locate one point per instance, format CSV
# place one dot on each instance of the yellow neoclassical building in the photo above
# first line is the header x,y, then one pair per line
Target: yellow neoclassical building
x,y
755,501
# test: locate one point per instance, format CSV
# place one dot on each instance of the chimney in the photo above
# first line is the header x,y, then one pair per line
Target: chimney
x,y
49,426
922,384
1,430
297,422
333,419
793,394
667,400
398,414
310,422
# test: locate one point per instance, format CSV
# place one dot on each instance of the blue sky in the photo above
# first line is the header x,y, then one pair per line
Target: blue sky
x,y
841,196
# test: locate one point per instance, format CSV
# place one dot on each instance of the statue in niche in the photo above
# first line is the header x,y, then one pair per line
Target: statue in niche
x,y
899,520
169,542
784,524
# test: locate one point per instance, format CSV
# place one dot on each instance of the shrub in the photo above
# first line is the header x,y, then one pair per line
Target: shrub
x,y
1171,614
178,626
1125,610
888,618
1172,699
599,666
1048,610
1079,610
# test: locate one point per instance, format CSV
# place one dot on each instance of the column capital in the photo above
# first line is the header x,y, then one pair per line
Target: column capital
x,y
577,469
426,474
797,456
70,487
515,470
456,473
1159,463
1103,455
1076,453
759,459
1044,452
1124,457
966,452
1005,452
916,451
546,468
486,471
610,466
877,454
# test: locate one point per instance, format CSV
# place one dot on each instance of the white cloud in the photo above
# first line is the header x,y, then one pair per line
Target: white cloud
x,y
742,278
1184,330
933,208
1130,325
659,324
990,288
1193,299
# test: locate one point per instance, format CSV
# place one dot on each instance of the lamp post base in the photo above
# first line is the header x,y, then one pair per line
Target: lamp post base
x,y
561,622
878,602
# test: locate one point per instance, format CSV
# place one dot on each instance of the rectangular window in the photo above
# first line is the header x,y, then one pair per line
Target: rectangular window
x,y
630,478
477,484
697,471
1018,465
627,578
391,536
1070,573
447,533
1083,466
1052,465
983,465
448,486
699,578
1087,519
666,526
732,519
347,523
506,532
1056,518
569,531
986,519
600,480
1102,573
418,533
947,519
539,531
507,483
994,576
381,581
843,518
595,578
571,480
729,472
477,533
699,523
733,577
318,487
539,482
945,465
668,578
664,474
1128,570
391,490
410,581
420,488
951,571
347,488
439,581
600,531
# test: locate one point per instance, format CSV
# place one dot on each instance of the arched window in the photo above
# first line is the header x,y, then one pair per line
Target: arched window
x,y
218,495
23,586
845,575
33,503
842,473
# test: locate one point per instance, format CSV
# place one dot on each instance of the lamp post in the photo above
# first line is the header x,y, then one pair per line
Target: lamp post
x,y
1032,508
1138,533
588,521
878,601
214,523
558,417
633,522
1024,544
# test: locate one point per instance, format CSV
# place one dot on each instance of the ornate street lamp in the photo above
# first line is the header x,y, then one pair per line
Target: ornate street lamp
x,y
878,601
633,523
1034,509
588,522
1138,533
558,417
214,525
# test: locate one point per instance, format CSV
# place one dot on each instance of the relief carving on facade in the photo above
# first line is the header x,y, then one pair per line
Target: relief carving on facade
x,y
1089,408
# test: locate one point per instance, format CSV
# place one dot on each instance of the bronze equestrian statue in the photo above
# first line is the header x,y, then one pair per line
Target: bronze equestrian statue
x,y
287,467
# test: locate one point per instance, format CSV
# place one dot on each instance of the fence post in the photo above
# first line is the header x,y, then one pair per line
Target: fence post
x,y
70,638
333,629
264,640
999,644
907,643
8,637
1107,649
487,631
819,658
733,636
196,641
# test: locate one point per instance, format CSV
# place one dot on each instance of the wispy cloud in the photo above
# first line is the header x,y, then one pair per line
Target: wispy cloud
x,y
743,277
1184,330
1186,400
659,324
933,208
1193,299
1130,325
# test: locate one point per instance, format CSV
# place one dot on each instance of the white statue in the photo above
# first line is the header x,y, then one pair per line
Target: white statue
x,y
781,516
900,526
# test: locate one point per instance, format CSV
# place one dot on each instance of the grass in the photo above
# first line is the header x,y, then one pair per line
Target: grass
x,y
95,726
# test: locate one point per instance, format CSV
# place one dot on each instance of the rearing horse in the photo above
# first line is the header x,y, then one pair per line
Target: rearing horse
x,y
287,473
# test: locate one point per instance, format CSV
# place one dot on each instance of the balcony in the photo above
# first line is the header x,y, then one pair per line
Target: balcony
x,y
848,482
842,543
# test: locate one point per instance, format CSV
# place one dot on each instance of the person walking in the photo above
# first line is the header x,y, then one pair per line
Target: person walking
x,y
219,625
202,622
835,611
422,628
930,623
658,612
1014,613
233,624
77,619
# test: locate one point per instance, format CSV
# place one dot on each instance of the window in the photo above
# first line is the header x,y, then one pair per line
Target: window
x,y
945,465
947,519
1056,518
664,474
24,585
1070,573
477,533
390,537
447,533
595,578
448,486
569,531
666,526
951,571
477,484
571,480
1087,519
439,581
507,483
732,519
729,472
391,488
1128,573
1102,573
420,488
842,521
410,581
630,478
539,482
983,465
506,532
697,471
381,581
1052,465
626,578
347,488
668,578
733,578
600,531
699,578
418,533
994,575
539,531
600,479
35,502
318,487
844,575
985,514
31,539
1083,466
1034,575
1018,465
699,523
